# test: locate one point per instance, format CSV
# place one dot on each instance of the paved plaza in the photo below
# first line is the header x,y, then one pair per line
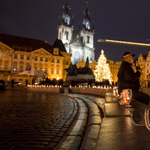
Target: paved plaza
x,y
33,120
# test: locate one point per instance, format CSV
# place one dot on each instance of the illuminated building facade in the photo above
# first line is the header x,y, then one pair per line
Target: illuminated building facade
x,y
16,53
80,45
114,68
144,62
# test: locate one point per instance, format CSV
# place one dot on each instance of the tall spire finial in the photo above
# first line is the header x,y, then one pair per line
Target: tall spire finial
x,y
87,4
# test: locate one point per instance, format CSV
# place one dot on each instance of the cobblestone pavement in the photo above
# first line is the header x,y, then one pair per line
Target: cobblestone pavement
x,y
33,120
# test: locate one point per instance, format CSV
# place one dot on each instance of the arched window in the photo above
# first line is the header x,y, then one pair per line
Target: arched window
x,y
67,35
88,39
60,35
76,57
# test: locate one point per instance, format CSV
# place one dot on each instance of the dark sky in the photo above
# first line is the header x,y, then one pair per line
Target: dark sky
x,y
114,19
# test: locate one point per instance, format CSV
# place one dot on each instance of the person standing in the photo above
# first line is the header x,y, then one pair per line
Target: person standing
x,y
26,82
127,79
12,83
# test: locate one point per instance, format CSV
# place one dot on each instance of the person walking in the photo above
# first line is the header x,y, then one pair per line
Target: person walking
x,y
127,79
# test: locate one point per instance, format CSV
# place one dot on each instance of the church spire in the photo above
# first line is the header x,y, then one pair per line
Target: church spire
x,y
86,19
66,18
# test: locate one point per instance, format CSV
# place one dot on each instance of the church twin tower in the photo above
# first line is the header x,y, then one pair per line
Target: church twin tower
x,y
80,45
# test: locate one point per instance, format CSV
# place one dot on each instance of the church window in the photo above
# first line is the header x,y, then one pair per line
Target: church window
x,y
0,54
67,35
88,39
21,56
52,71
76,57
70,50
147,64
147,71
41,58
60,35
52,60
28,57
6,55
82,39
36,58
15,56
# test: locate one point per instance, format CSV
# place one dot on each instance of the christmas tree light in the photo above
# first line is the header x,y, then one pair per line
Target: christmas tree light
x,y
102,71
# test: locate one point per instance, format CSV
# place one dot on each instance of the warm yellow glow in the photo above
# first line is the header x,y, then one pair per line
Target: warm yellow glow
x,y
123,42
57,78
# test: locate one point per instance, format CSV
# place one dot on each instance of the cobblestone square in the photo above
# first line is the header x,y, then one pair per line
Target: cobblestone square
x,y
33,120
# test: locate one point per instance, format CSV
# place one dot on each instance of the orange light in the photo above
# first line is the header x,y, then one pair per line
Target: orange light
x,y
125,101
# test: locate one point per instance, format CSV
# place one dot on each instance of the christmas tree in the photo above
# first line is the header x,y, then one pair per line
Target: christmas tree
x,y
102,70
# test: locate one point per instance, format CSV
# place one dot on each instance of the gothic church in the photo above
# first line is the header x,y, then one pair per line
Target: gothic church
x,y
80,45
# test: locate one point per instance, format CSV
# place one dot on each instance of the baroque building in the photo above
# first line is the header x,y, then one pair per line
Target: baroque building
x,y
80,44
143,61
114,68
17,53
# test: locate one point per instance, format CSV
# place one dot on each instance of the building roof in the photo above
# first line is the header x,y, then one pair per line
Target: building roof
x,y
24,44
59,44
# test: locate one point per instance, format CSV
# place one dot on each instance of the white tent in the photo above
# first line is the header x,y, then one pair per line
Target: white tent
x,y
33,72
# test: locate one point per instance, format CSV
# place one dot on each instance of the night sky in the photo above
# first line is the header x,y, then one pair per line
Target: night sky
x,y
127,20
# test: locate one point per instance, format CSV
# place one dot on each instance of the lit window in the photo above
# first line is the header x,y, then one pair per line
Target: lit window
x,y
52,71
28,57
5,67
57,71
36,58
41,58
6,55
53,60
46,69
21,68
46,59
15,56
21,56
15,68
0,54
56,50
58,61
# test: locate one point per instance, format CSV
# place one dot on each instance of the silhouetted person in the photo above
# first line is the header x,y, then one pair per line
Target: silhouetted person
x,y
26,82
12,83
33,81
127,79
